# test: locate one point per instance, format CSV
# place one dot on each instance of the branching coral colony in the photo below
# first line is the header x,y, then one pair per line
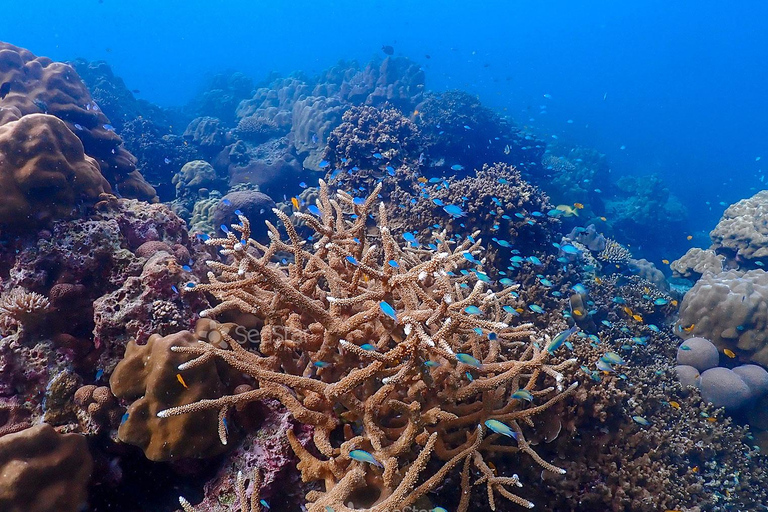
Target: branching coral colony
x,y
391,354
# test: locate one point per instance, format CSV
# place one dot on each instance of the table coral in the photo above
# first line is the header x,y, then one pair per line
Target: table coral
x,y
44,471
382,351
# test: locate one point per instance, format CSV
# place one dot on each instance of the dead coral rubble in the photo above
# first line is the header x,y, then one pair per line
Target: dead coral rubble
x,y
382,350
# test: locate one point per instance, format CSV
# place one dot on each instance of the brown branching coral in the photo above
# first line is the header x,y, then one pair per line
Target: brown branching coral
x,y
384,352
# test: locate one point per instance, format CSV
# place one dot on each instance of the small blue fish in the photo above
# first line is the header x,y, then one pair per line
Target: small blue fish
x,y
124,418
506,281
99,374
569,249
457,167
468,359
438,202
189,285
606,323
454,211
612,358
358,201
560,338
654,328
640,420
534,260
314,210
660,302
364,456
224,228
324,163
353,260
580,289
501,428
545,282
265,504
482,276
377,156
393,263
685,347
388,310
511,310
536,308
303,185
108,127
321,364
604,366
431,364
523,394
473,310
367,346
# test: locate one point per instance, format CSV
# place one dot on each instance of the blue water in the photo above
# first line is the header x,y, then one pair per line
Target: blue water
x,y
679,85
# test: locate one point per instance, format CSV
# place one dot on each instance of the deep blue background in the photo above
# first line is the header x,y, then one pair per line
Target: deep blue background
x,y
681,85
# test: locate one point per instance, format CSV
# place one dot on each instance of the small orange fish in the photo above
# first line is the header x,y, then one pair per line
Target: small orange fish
x,y
577,312
674,303
603,219
598,280
578,206
627,310
666,262
689,237
181,380
295,203
689,328
637,317
421,179
711,419
416,112
730,353
674,405
695,469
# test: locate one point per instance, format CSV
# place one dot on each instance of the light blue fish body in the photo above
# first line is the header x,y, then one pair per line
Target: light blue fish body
x,y
501,428
523,394
473,310
558,340
388,310
660,301
641,421
569,249
454,211
364,456
613,358
468,359
536,308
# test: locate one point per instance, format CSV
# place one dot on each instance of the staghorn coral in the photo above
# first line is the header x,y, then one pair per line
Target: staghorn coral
x,y
410,385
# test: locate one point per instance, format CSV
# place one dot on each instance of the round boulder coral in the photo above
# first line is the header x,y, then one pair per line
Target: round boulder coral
x,y
724,388
256,206
699,353
742,231
755,377
731,310
44,173
687,375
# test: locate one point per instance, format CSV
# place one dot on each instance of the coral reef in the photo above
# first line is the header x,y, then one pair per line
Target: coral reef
x,y
697,262
43,471
383,348
148,377
741,233
729,309
44,172
39,85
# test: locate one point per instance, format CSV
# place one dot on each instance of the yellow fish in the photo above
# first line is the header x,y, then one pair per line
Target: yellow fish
x,y
689,328
674,303
666,262
637,317
603,219
577,312
674,405
627,310
421,179
578,206
712,419
689,237
730,353
598,280
181,380
295,203
567,210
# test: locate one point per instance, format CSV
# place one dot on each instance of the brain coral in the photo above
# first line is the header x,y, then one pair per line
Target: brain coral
x,y
731,310
39,85
44,172
743,230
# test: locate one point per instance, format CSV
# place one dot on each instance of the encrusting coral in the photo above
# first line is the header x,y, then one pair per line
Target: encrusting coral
x,y
389,352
